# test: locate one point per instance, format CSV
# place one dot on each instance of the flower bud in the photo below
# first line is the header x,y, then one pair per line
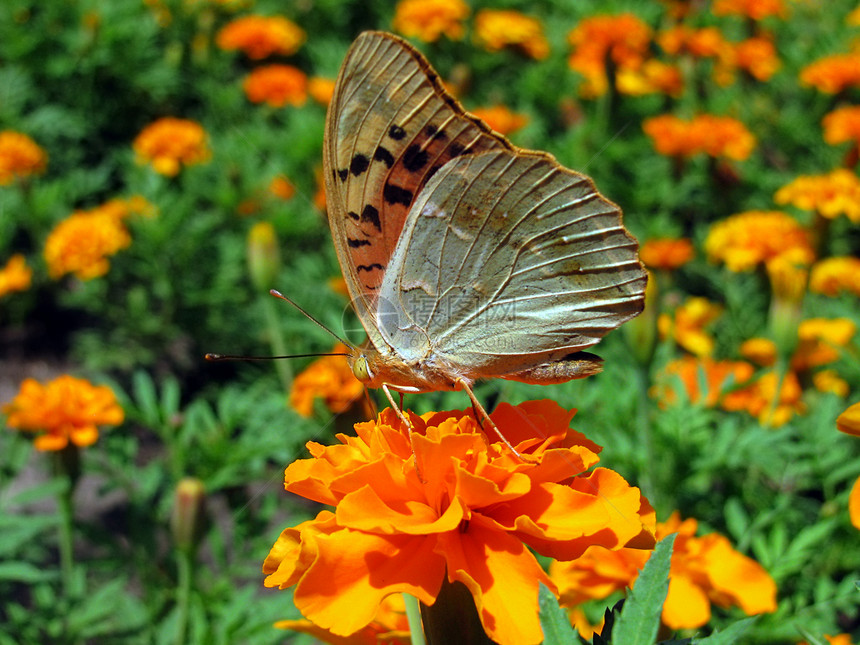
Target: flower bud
x,y
188,515
263,257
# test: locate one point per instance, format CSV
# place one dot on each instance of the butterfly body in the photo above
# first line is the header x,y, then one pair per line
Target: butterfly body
x,y
465,257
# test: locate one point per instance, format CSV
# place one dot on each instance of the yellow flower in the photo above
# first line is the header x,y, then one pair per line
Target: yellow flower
x,y
497,29
761,351
66,410
849,421
321,89
261,36
830,381
841,125
688,326
666,253
755,9
447,502
20,157
821,341
622,40
704,570
15,276
747,239
831,195
833,73
169,142
428,20
652,77
81,243
276,85
834,275
853,18
501,119
329,378
713,135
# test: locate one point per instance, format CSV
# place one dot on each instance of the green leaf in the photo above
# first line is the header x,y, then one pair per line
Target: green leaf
x,y
24,572
640,616
729,635
556,626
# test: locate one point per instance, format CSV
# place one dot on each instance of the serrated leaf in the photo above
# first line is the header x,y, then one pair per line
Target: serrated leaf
x,y
640,616
729,635
554,621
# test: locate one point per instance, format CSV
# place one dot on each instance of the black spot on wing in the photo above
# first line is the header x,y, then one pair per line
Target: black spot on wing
x,y
353,215
434,132
396,195
456,149
342,174
369,267
383,155
358,164
371,214
396,132
355,243
414,159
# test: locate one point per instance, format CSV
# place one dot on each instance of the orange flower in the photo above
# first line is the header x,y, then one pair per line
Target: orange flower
x,y
713,135
718,376
831,195
702,43
666,253
841,125
20,157
821,340
757,399
170,142
833,275
849,421
15,276
758,57
833,73
501,119
839,639
747,239
276,85
704,570
281,188
390,626
761,351
428,20
652,77
830,381
261,36
854,505
688,326
623,39
65,409
329,378
321,89
451,502
497,29
755,9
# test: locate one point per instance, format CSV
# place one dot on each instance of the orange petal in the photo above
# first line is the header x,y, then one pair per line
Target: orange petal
x,y
364,510
854,504
686,605
849,421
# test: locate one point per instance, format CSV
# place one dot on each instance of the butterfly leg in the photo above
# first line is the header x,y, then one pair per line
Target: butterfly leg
x,y
399,410
480,410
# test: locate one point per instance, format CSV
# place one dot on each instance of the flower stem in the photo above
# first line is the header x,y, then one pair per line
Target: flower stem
x,y
646,436
276,339
183,593
453,618
413,615
67,465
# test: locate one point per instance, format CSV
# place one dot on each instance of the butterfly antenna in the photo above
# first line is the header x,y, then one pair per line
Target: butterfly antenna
x,y
239,357
278,294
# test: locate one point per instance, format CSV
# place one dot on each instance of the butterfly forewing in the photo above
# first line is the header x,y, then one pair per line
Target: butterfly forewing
x,y
508,261
390,127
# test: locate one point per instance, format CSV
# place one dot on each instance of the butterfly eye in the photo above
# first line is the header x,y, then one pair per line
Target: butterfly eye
x,y
361,369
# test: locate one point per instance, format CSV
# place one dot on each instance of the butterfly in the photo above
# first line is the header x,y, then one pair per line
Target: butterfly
x,y
465,257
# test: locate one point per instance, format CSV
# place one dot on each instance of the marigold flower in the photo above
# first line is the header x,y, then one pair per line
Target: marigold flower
x,y
20,157
688,326
329,378
169,142
15,276
833,74
717,376
623,39
389,626
834,275
707,42
854,508
498,29
758,57
652,77
842,124
849,421
452,502
755,9
831,195
666,253
821,340
747,239
704,570
321,89
757,399
715,136
761,351
839,639
830,381
501,119
81,243
428,20
281,188
261,36
277,85
65,409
